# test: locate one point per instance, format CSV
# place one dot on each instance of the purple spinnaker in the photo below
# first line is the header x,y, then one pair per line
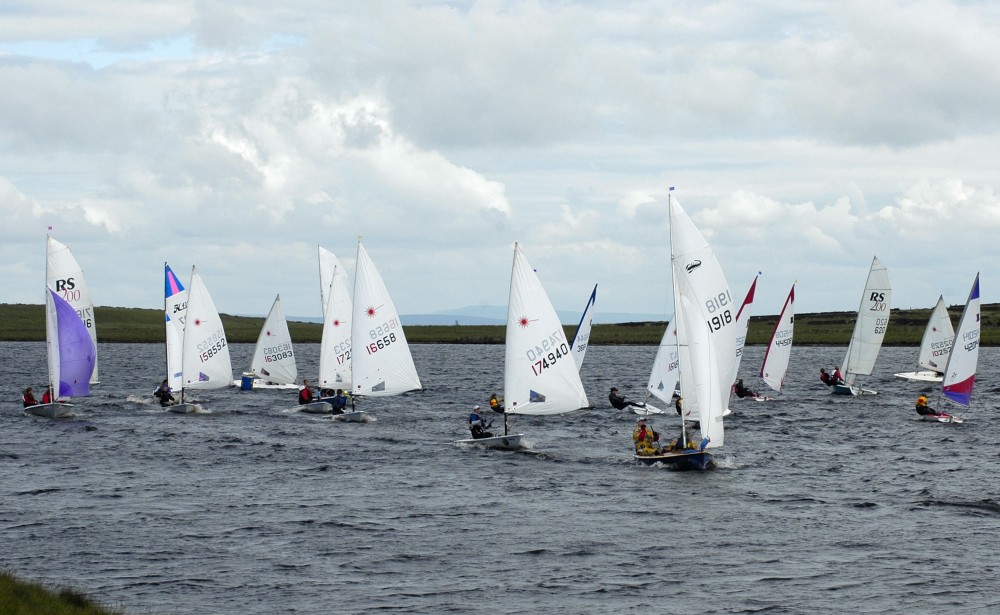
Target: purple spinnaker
x,y
76,350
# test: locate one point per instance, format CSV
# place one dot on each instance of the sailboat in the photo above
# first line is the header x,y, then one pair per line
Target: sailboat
x,y
935,347
869,330
540,377
174,309
742,327
381,362
64,275
71,356
960,373
273,363
205,362
581,338
706,337
335,345
779,349
665,373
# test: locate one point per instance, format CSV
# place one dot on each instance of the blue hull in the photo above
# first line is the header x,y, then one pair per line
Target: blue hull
x,y
685,460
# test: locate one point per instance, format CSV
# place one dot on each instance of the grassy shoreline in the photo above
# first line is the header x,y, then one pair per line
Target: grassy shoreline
x,y
20,597
21,322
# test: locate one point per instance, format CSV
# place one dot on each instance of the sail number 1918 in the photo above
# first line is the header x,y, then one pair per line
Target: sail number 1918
x,y
718,306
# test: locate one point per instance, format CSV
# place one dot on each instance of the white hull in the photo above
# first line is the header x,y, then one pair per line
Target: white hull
x,y
507,443
184,408
57,410
316,407
647,410
923,376
940,418
264,384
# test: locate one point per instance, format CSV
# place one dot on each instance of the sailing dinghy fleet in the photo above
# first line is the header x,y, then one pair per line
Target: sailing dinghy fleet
x,y
364,349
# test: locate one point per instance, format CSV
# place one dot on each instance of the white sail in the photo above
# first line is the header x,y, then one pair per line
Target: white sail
x,y
335,346
274,358
175,309
328,262
666,366
779,350
380,357
935,347
205,354
582,338
960,373
64,275
540,377
869,329
706,324
743,325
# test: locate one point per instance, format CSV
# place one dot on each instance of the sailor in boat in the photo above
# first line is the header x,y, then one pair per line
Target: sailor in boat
x,y
162,393
496,403
339,402
47,396
619,402
830,379
306,393
682,442
924,410
477,426
28,398
742,391
646,440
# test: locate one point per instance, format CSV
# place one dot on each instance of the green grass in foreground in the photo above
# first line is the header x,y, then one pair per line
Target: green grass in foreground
x,y
19,597
20,322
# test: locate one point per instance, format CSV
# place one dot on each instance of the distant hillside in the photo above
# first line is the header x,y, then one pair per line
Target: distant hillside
x,y
19,322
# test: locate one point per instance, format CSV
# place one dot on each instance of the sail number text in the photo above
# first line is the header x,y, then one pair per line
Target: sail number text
x,y
383,335
273,354
343,351
548,352
881,324
211,346
722,314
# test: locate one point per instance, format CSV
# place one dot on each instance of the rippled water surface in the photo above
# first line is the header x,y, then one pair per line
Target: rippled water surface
x,y
820,504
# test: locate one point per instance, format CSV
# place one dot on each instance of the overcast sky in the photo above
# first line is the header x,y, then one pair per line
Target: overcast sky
x,y
802,136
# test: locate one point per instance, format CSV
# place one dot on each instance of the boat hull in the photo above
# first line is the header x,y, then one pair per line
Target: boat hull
x,y
316,407
257,383
940,418
57,410
507,443
681,460
184,408
924,376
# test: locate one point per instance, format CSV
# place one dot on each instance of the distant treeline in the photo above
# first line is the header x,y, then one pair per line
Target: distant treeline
x,y
19,322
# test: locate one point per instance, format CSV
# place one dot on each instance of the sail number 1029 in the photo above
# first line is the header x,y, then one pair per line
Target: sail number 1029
x,y
718,307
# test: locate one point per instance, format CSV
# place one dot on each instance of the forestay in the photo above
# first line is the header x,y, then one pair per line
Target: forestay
x,y
869,329
539,376
380,357
64,276
205,355
274,358
335,345
779,350
175,309
961,371
706,328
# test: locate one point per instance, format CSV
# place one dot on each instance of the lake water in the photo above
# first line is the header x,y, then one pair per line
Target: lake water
x,y
820,503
